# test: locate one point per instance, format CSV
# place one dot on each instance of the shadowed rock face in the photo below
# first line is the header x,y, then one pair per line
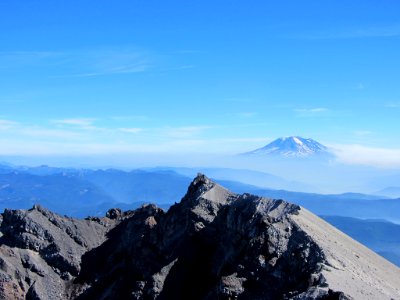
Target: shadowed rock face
x,y
212,245
40,252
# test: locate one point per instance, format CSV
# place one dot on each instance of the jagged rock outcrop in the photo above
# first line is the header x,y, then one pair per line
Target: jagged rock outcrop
x,y
212,245
40,252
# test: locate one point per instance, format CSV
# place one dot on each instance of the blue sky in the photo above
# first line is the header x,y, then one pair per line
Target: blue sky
x,y
84,77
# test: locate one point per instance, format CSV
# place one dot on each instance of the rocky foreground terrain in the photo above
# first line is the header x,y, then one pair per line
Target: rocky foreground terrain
x,y
212,245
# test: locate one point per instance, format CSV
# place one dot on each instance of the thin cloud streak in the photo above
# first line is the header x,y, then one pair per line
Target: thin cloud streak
x,y
362,133
79,63
247,114
236,100
18,59
49,133
129,118
354,33
360,86
183,132
310,112
393,105
74,122
79,124
118,70
7,124
79,133
131,130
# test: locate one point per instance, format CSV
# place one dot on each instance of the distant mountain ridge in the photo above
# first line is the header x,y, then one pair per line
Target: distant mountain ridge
x,y
82,192
293,146
391,191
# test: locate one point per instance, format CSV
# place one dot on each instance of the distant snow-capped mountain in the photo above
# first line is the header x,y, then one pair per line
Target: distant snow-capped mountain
x,y
293,146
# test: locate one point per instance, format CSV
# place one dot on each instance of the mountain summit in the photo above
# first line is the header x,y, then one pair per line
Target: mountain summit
x,y
214,244
293,146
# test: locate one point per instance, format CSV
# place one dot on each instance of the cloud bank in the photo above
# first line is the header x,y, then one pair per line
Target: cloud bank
x,y
362,155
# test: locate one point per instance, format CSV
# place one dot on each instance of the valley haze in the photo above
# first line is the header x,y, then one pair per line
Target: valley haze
x,y
308,164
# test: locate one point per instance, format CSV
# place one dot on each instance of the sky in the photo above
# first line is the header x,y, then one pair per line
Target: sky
x,y
86,77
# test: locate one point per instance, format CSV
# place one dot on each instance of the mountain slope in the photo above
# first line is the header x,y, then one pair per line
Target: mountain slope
x,y
293,146
381,236
212,245
351,267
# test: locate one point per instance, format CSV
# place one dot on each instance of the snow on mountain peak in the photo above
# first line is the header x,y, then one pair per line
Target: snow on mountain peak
x,y
293,146
297,140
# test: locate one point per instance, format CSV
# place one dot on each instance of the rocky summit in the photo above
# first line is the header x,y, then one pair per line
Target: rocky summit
x,y
212,245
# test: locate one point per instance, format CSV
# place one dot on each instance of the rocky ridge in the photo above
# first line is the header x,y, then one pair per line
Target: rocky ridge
x,y
40,252
212,245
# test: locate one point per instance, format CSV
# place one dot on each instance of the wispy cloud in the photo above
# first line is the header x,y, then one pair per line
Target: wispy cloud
x,y
93,62
188,51
178,68
354,33
79,63
360,86
39,132
236,100
32,148
127,69
310,112
361,155
130,118
74,122
81,136
21,131
11,100
131,130
74,129
392,105
78,124
7,124
246,114
18,59
362,133
183,132
172,146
